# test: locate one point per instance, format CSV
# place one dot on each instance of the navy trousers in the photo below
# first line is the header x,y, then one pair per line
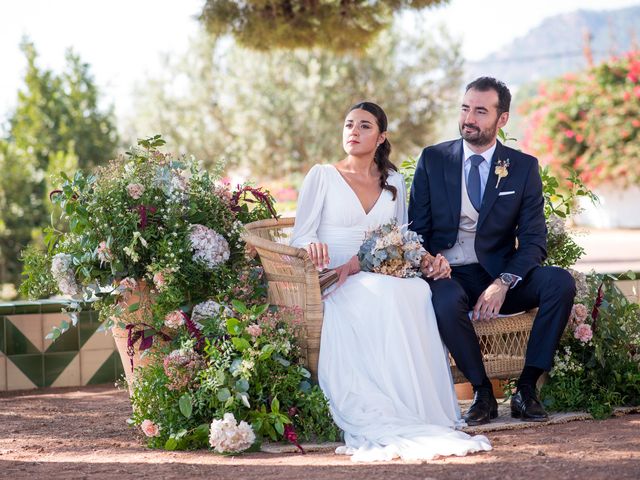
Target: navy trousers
x,y
551,289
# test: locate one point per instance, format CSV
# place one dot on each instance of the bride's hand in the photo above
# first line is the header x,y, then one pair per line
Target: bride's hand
x,y
436,267
319,255
349,268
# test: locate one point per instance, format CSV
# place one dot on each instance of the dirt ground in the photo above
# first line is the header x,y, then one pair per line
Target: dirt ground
x,y
82,433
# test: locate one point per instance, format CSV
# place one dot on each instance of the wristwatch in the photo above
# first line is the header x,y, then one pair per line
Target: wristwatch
x,y
507,279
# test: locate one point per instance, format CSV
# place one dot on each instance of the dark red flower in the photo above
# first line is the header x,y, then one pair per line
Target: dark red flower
x,y
596,307
143,211
194,331
145,334
261,196
291,435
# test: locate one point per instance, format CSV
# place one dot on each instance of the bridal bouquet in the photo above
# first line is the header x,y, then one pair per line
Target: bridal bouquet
x,y
388,250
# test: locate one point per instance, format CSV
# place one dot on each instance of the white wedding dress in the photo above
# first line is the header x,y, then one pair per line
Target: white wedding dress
x,y
382,364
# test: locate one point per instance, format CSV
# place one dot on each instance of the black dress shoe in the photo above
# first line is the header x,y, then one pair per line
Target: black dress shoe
x,y
526,406
483,408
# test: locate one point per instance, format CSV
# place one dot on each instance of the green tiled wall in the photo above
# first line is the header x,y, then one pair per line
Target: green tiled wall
x,y
79,357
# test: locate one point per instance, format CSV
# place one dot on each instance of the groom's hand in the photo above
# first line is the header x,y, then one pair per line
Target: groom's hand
x,y
490,301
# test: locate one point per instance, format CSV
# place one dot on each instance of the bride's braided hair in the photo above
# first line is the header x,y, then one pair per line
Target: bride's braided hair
x,y
383,151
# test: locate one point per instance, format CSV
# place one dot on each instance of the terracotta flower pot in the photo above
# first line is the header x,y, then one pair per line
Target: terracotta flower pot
x,y
464,391
130,353
121,338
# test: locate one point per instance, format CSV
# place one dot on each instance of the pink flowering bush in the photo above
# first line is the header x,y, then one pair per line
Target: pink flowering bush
x,y
589,122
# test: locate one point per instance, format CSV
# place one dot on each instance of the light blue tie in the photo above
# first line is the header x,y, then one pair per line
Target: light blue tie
x,y
473,181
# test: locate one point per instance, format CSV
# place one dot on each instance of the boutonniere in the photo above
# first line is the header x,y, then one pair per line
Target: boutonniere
x,y
502,170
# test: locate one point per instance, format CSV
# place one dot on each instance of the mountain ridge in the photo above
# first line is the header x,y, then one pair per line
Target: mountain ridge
x,y
556,46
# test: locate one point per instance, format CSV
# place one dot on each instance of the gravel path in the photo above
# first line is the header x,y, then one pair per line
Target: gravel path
x,y
82,433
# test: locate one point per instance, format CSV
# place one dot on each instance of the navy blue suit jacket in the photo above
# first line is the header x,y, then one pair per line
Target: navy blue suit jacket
x,y
511,232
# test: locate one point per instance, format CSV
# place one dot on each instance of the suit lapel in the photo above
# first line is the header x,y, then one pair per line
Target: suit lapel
x,y
490,190
453,179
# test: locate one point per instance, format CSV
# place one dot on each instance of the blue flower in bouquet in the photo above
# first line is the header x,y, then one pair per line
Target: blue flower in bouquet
x,y
389,250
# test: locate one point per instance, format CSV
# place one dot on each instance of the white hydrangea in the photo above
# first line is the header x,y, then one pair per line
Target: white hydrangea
x,y
61,264
209,247
227,435
582,287
209,309
68,285
556,225
63,274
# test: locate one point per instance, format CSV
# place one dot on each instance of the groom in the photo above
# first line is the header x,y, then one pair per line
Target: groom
x,y
479,204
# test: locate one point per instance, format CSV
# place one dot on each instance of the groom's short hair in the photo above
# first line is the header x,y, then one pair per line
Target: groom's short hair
x,y
484,84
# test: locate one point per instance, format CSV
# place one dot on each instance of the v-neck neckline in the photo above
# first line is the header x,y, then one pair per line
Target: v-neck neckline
x,y
344,180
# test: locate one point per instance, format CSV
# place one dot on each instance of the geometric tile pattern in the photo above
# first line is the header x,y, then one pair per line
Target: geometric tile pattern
x,y
80,356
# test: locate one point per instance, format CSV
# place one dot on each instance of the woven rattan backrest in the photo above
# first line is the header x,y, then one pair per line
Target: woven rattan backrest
x,y
292,279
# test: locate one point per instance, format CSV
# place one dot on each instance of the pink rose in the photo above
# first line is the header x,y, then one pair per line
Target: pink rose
x,y
159,280
128,283
583,332
254,330
135,190
104,253
149,428
174,319
579,312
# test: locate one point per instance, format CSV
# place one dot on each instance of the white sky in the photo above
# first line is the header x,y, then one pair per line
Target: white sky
x,y
122,39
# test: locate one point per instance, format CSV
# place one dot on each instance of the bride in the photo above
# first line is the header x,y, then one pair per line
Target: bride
x,y
382,364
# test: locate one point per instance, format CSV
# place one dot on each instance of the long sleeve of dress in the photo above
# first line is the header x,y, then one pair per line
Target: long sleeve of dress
x,y
309,210
401,200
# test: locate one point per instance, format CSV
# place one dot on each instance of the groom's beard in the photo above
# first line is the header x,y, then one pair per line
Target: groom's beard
x,y
477,137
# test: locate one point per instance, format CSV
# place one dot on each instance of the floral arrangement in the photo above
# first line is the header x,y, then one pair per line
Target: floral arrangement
x,y
147,222
597,366
566,127
390,251
230,377
155,244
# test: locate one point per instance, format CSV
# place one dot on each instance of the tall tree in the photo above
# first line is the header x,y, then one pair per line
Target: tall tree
x,y
21,206
338,25
61,113
280,112
56,126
